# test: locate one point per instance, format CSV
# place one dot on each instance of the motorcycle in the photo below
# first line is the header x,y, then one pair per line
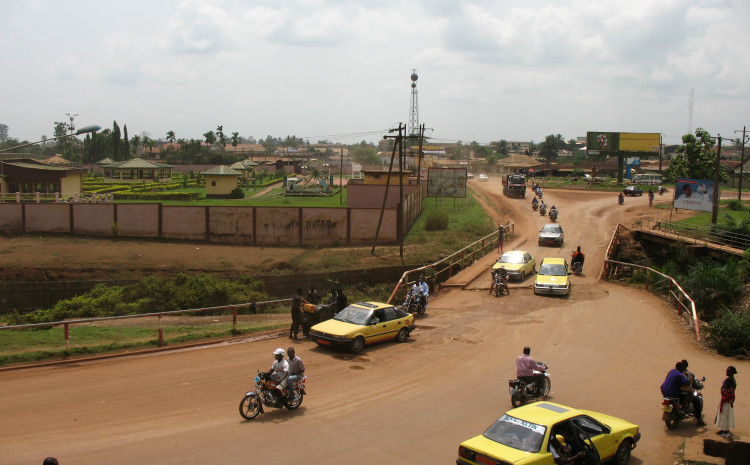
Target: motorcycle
x,y
542,210
576,267
414,303
673,412
500,285
553,215
268,392
521,392
535,206
621,199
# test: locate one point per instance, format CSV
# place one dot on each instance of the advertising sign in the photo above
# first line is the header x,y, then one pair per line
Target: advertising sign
x,y
622,142
694,194
446,182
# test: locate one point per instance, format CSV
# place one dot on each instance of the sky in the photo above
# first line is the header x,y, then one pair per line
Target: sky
x,y
339,70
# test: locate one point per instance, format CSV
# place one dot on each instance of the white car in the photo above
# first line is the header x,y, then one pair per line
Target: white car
x,y
483,177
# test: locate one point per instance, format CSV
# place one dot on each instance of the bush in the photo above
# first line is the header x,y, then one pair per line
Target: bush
x,y
730,334
237,193
437,221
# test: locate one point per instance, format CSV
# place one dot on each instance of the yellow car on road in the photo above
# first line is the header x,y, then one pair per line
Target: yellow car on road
x,y
517,263
363,323
553,277
522,436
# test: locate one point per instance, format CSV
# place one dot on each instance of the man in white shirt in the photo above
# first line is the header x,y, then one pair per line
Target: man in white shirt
x,y
280,367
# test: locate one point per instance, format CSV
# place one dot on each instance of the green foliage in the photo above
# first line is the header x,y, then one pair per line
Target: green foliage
x,y
735,205
730,334
150,295
712,285
237,193
735,224
695,159
365,154
437,221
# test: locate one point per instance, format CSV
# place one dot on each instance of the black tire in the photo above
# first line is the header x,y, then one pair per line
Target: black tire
x,y
622,456
250,407
402,335
357,345
421,310
672,420
497,291
523,276
295,405
547,388
517,399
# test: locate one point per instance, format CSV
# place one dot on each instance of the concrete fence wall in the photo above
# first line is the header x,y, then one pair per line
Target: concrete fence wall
x,y
266,226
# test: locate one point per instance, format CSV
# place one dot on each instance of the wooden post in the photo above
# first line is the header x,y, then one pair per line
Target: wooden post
x,y
161,333
67,338
234,319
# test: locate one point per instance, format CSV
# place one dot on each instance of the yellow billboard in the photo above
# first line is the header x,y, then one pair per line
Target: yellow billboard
x,y
639,142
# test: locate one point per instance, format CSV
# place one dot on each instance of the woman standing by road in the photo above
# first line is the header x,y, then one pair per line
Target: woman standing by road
x,y
725,414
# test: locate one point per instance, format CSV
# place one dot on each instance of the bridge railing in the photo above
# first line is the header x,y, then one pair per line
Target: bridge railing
x,y
675,294
444,269
694,234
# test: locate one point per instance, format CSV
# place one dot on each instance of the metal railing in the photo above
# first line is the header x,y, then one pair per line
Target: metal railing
x,y
443,269
676,295
694,234
251,306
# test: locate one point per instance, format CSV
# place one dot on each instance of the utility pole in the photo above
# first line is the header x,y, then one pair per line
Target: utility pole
x,y
715,207
420,155
742,162
398,142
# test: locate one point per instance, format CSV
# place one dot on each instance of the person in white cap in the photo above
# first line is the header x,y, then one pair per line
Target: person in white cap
x,y
280,367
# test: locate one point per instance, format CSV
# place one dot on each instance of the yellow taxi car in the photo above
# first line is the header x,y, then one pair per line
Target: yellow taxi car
x,y
363,323
522,437
517,263
553,277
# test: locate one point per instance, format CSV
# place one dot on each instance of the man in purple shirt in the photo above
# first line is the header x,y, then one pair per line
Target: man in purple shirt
x,y
678,384
525,366
296,372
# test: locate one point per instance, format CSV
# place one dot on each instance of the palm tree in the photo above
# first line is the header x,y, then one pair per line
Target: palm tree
x,y
235,141
170,136
135,142
210,137
221,137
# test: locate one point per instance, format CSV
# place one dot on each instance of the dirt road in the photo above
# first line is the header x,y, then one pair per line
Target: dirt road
x,y
609,348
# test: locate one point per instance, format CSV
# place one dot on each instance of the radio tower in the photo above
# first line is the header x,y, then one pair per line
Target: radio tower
x,y
413,129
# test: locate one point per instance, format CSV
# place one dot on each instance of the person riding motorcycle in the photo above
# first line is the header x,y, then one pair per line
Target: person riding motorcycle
x,y
578,256
280,368
416,292
534,203
621,198
542,207
553,211
525,366
296,371
677,385
425,291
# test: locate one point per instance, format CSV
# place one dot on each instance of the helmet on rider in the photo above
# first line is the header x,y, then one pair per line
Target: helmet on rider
x,y
279,351
578,248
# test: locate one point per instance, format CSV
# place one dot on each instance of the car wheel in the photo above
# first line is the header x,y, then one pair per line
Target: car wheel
x,y
523,276
357,345
540,243
402,335
622,456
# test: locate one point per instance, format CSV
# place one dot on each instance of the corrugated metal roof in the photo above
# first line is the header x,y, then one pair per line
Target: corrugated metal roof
x,y
221,170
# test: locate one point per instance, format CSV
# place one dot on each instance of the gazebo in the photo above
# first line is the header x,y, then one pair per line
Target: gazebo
x,y
245,168
137,169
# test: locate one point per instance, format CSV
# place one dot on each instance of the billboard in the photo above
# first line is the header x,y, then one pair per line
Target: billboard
x,y
623,141
446,182
694,194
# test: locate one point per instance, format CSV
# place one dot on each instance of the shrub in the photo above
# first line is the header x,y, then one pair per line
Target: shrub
x,y
437,221
730,334
735,205
237,193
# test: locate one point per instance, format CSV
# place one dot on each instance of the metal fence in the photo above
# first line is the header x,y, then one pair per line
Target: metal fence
x,y
702,235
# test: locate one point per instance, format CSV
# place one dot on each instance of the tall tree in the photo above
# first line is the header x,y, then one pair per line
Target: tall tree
x,y
235,141
3,133
116,143
695,159
170,136
365,154
220,136
210,137
135,142
125,143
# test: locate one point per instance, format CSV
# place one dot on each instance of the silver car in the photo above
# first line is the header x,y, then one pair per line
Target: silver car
x,y
552,233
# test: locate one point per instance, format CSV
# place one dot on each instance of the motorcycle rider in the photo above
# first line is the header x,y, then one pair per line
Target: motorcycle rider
x,y
542,207
553,211
525,366
280,368
621,198
425,291
296,372
650,197
416,292
534,203
677,385
578,256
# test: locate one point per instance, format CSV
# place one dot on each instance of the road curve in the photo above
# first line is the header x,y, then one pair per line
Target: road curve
x,y
609,348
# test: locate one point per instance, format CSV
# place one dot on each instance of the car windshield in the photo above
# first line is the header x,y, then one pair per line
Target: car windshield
x,y
551,228
518,434
515,258
552,270
355,315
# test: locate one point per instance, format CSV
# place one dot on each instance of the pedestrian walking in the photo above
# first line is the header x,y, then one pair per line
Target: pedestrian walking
x,y
297,301
725,414
650,197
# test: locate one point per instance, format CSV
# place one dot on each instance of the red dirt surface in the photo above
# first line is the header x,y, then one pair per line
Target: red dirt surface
x,y
609,348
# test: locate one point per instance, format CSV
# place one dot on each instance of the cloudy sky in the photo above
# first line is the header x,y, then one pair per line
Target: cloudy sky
x,y
339,69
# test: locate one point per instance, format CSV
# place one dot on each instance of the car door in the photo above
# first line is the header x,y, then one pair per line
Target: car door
x,y
379,331
528,261
596,433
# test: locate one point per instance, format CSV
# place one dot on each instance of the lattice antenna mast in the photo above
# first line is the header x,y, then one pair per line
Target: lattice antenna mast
x,y
413,129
